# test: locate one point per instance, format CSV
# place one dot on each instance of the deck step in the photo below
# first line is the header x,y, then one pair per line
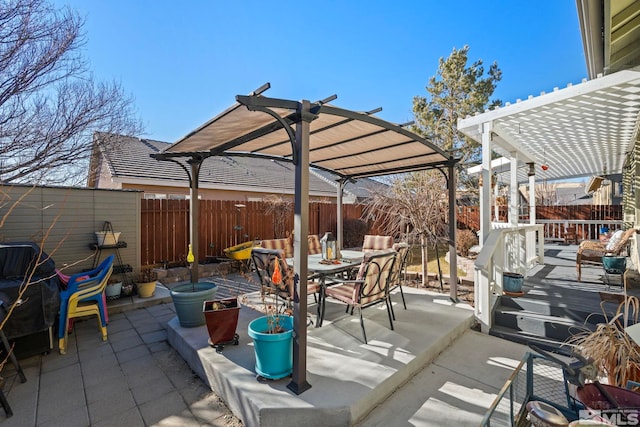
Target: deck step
x,y
554,327
554,308
525,338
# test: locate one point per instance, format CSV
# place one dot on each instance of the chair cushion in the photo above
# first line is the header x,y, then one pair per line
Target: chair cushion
x,y
283,244
614,240
315,247
375,243
347,293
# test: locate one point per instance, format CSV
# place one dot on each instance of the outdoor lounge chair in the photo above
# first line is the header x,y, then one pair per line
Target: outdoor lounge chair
x,y
592,251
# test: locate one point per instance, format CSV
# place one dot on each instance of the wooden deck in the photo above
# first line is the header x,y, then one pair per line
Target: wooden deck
x,y
555,304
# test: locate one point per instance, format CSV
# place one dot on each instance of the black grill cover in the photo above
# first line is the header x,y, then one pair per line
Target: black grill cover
x,y
36,310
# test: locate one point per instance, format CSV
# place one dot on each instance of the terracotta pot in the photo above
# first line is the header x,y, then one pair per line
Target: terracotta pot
x,y
221,317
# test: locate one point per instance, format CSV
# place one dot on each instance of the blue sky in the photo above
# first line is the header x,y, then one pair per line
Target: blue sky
x,y
184,62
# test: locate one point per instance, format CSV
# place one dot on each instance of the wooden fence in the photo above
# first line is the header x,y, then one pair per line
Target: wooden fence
x,y
164,232
469,216
165,226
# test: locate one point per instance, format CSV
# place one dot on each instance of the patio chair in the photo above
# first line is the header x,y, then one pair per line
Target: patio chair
x,y
376,243
83,297
370,287
592,251
285,244
571,235
264,261
398,274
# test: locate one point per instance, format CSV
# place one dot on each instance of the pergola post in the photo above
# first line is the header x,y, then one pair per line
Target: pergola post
x,y
339,222
532,193
453,258
299,382
194,215
485,188
514,199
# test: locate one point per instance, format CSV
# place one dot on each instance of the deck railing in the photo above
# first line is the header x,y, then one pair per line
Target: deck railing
x,y
585,229
535,378
506,249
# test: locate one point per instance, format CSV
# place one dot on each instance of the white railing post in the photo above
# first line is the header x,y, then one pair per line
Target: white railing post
x,y
514,249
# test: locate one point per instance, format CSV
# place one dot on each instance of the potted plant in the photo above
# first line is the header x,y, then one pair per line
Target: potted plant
x,y
146,281
512,283
113,289
221,317
272,333
189,298
616,354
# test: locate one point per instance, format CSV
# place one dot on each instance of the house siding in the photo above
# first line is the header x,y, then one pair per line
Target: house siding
x,y
63,220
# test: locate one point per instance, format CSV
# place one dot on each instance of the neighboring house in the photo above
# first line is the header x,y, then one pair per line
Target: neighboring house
x,y
128,165
606,190
361,189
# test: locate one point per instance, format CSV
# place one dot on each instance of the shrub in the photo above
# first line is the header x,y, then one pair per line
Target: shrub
x,y
354,231
465,240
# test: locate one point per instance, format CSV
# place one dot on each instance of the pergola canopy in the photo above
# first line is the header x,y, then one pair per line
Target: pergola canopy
x,y
581,130
348,143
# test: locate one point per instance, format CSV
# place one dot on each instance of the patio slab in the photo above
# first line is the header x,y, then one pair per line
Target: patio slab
x,y
348,378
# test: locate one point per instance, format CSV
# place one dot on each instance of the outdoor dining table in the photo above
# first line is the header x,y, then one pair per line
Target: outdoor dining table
x,y
319,269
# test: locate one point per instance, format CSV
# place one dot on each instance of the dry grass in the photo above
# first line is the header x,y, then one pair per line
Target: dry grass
x,y
616,355
465,289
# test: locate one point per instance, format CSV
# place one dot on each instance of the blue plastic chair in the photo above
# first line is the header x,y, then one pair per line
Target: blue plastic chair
x,y
83,297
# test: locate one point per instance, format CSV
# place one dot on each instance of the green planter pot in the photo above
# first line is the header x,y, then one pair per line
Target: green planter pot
x,y
188,300
512,282
274,351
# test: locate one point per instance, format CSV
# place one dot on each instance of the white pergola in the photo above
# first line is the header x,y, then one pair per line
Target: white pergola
x,y
582,130
349,144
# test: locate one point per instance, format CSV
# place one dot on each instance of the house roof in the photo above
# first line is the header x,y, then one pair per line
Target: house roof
x,y
130,159
360,188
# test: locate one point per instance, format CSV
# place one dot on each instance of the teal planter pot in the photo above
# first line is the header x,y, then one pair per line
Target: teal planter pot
x,y
188,300
614,264
274,351
512,282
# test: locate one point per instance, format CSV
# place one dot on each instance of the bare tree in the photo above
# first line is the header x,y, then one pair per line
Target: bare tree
x,y
50,104
281,209
546,194
415,201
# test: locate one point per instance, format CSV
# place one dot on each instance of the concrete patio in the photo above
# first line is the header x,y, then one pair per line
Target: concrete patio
x,y
136,378
349,378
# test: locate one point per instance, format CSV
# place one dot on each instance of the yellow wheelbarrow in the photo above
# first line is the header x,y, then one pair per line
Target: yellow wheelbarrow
x,y
241,252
